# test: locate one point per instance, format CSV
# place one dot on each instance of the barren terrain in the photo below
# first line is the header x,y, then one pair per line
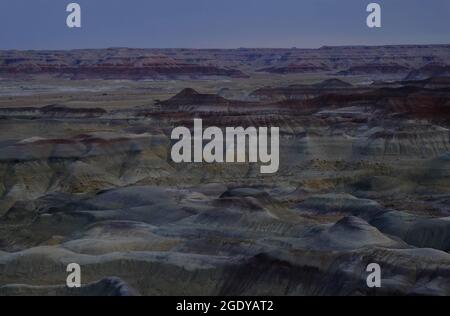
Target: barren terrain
x,y
86,174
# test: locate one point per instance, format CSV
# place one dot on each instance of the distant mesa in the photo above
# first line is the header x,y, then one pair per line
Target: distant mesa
x,y
191,97
140,64
107,64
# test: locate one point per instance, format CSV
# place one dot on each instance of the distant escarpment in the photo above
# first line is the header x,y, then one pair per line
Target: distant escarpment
x,y
112,66
189,100
189,96
137,64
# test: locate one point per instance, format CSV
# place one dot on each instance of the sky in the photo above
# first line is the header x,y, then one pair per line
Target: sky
x,y
41,24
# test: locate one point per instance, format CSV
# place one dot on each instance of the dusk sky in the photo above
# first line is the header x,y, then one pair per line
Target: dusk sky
x,y
41,24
